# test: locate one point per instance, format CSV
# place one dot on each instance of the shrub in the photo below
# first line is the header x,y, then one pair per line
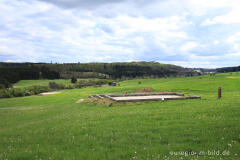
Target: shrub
x,y
5,93
69,87
36,90
85,83
80,84
101,82
2,86
73,80
17,92
53,85
4,83
42,89
12,92
112,83
33,90
61,86
27,93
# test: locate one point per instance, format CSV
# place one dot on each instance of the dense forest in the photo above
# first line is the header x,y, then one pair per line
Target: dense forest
x,y
13,72
205,70
228,69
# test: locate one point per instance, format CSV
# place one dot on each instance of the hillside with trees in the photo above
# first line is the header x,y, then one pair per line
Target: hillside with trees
x,y
228,69
13,72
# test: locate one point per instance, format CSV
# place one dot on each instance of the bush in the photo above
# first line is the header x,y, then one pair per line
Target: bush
x,y
36,90
41,89
13,92
17,92
4,83
27,93
69,87
73,80
5,93
85,83
54,85
80,84
101,82
2,86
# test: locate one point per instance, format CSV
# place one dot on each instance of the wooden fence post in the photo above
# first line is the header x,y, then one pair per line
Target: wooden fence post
x,y
219,92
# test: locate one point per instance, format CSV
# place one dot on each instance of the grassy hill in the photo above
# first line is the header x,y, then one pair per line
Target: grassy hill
x,y
55,127
14,72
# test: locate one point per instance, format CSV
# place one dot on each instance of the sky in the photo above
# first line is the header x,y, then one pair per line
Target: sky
x,y
190,33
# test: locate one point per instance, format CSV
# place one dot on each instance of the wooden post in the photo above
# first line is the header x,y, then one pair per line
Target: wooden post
x,y
219,92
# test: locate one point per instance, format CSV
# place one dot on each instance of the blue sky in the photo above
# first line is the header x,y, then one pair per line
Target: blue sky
x,y
190,33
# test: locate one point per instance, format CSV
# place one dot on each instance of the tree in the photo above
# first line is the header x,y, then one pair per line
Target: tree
x,y
73,80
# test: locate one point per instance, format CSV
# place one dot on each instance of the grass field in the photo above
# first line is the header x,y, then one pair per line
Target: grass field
x,y
55,127
44,82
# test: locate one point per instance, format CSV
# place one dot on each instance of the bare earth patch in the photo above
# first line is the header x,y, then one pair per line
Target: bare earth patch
x,y
144,90
107,102
97,101
80,100
48,93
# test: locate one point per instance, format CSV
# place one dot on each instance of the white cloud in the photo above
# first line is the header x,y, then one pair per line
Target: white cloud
x,y
216,42
188,46
231,17
159,30
233,38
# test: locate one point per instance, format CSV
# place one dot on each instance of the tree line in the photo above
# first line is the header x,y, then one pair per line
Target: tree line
x,y
13,72
10,75
228,69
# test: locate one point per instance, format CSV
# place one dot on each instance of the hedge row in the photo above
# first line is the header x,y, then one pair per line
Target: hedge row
x,y
34,90
21,92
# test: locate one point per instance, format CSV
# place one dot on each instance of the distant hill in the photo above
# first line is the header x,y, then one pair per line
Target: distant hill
x,y
13,72
204,70
228,69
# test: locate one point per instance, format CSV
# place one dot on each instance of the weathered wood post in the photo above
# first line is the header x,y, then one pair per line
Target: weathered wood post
x,y
219,92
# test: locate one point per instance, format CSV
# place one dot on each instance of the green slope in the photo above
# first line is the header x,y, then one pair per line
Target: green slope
x,y
55,127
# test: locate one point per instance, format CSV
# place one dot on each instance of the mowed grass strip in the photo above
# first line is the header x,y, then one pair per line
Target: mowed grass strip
x,y
55,127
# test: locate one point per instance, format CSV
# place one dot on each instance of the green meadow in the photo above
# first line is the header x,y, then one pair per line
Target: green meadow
x,y
44,82
56,127
27,83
